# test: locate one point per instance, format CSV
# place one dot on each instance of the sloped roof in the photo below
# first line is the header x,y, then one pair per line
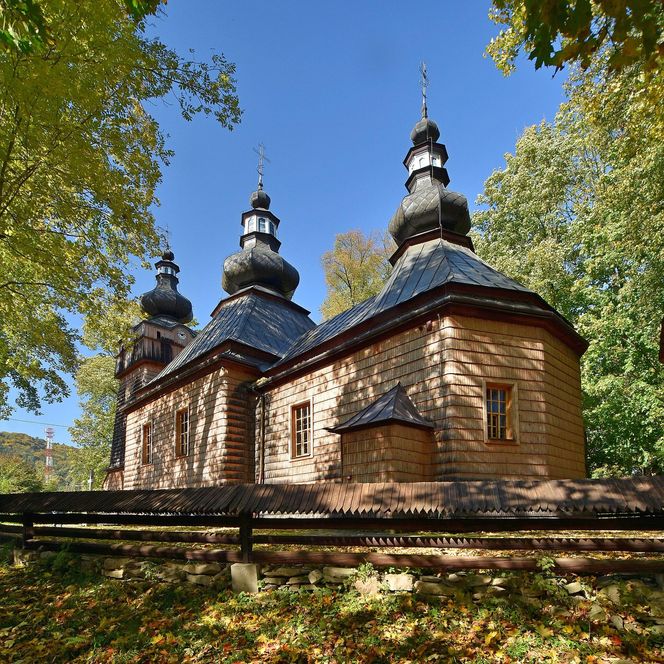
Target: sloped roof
x,y
421,268
436,500
393,406
266,323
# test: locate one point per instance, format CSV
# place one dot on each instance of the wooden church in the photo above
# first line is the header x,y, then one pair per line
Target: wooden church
x,y
453,371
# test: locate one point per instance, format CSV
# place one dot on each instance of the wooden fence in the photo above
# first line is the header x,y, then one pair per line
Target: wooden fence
x,y
252,538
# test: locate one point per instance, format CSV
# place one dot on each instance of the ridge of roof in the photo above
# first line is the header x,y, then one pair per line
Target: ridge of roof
x,y
421,268
253,320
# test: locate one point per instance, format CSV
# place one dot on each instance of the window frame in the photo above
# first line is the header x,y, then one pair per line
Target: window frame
x,y
179,453
147,451
511,411
293,431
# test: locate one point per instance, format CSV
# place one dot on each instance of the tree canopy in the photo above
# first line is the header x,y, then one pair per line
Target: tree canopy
x,y
558,32
577,214
355,269
80,159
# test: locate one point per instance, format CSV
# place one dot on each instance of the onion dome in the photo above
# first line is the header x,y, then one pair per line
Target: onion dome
x,y
164,300
259,262
259,199
425,129
429,205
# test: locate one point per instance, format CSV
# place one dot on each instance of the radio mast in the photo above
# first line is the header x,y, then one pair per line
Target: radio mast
x,y
48,460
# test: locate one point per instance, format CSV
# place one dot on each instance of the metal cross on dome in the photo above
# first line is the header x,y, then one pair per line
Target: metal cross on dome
x,y
424,82
260,151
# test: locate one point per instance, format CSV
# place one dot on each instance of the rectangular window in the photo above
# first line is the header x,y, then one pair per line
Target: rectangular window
x,y
301,430
147,443
499,412
182,432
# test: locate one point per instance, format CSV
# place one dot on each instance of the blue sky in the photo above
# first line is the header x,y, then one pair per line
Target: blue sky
x,y
332,90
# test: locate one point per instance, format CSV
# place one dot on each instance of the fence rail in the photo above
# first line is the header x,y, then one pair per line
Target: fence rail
x,y
250,531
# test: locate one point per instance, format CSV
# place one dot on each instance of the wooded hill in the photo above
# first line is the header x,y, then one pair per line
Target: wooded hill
x,y
31,450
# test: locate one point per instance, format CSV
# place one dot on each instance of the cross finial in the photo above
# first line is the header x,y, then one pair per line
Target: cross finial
x,y
168,238
424,82
260,151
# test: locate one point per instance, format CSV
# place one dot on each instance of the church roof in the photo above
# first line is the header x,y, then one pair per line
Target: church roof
x,y
266,323
394,406
420,269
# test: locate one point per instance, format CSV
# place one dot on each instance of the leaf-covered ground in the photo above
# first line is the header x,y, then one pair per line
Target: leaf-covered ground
x,y
50,617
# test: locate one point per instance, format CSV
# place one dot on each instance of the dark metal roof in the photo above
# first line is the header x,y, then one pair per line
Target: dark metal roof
x,y
421,268
267,323
462,498
394,406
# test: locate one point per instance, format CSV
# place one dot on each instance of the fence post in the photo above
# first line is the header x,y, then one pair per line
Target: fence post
x,y
28,529
246,538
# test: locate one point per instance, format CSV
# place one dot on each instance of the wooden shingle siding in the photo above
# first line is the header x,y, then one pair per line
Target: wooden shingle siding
x,y
221,435
443,370
389,453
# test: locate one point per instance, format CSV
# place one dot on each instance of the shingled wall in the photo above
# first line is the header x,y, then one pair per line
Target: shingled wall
x,y
442,366
221,434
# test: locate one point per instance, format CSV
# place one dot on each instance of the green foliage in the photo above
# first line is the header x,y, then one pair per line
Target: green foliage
x,y
558,32
577,214
355,269
31,451
18,476
93,430
80,158
25,29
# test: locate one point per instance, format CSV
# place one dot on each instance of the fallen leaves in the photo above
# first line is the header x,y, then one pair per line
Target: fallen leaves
x,y
100,621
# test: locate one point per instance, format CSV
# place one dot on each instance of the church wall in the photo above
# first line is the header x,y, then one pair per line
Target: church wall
x,y
442,370
388,453
221,435
550,435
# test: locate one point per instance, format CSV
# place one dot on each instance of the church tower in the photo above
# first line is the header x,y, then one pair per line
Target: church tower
x,y
157,341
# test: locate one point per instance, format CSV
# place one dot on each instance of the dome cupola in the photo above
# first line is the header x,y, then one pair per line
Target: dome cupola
x,y
429,205
259,262
164,300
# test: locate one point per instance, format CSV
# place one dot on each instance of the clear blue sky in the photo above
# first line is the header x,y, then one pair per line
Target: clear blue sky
x,y
332,91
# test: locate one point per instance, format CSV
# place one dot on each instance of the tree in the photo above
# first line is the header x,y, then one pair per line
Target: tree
x,y
93,430
558,32
24,27
80,158
18,475
577,214
355,269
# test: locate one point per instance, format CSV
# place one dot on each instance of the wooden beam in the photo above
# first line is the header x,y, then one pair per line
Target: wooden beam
x,y
140,535
490,543
138,550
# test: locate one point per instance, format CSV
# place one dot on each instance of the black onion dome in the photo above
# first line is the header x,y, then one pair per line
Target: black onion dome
x,y
259,266
164,299
259,199
426,129
429,207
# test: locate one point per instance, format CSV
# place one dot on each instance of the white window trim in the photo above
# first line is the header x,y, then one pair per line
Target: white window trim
x,y
514,412
291,441
177,434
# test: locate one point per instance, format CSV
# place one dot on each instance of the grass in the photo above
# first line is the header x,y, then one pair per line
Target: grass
x,y
64,616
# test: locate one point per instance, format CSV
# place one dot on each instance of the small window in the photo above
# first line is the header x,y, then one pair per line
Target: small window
x,y
262,225
182,432
147,443
420,162
499,412
301,430
251,225
273,229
